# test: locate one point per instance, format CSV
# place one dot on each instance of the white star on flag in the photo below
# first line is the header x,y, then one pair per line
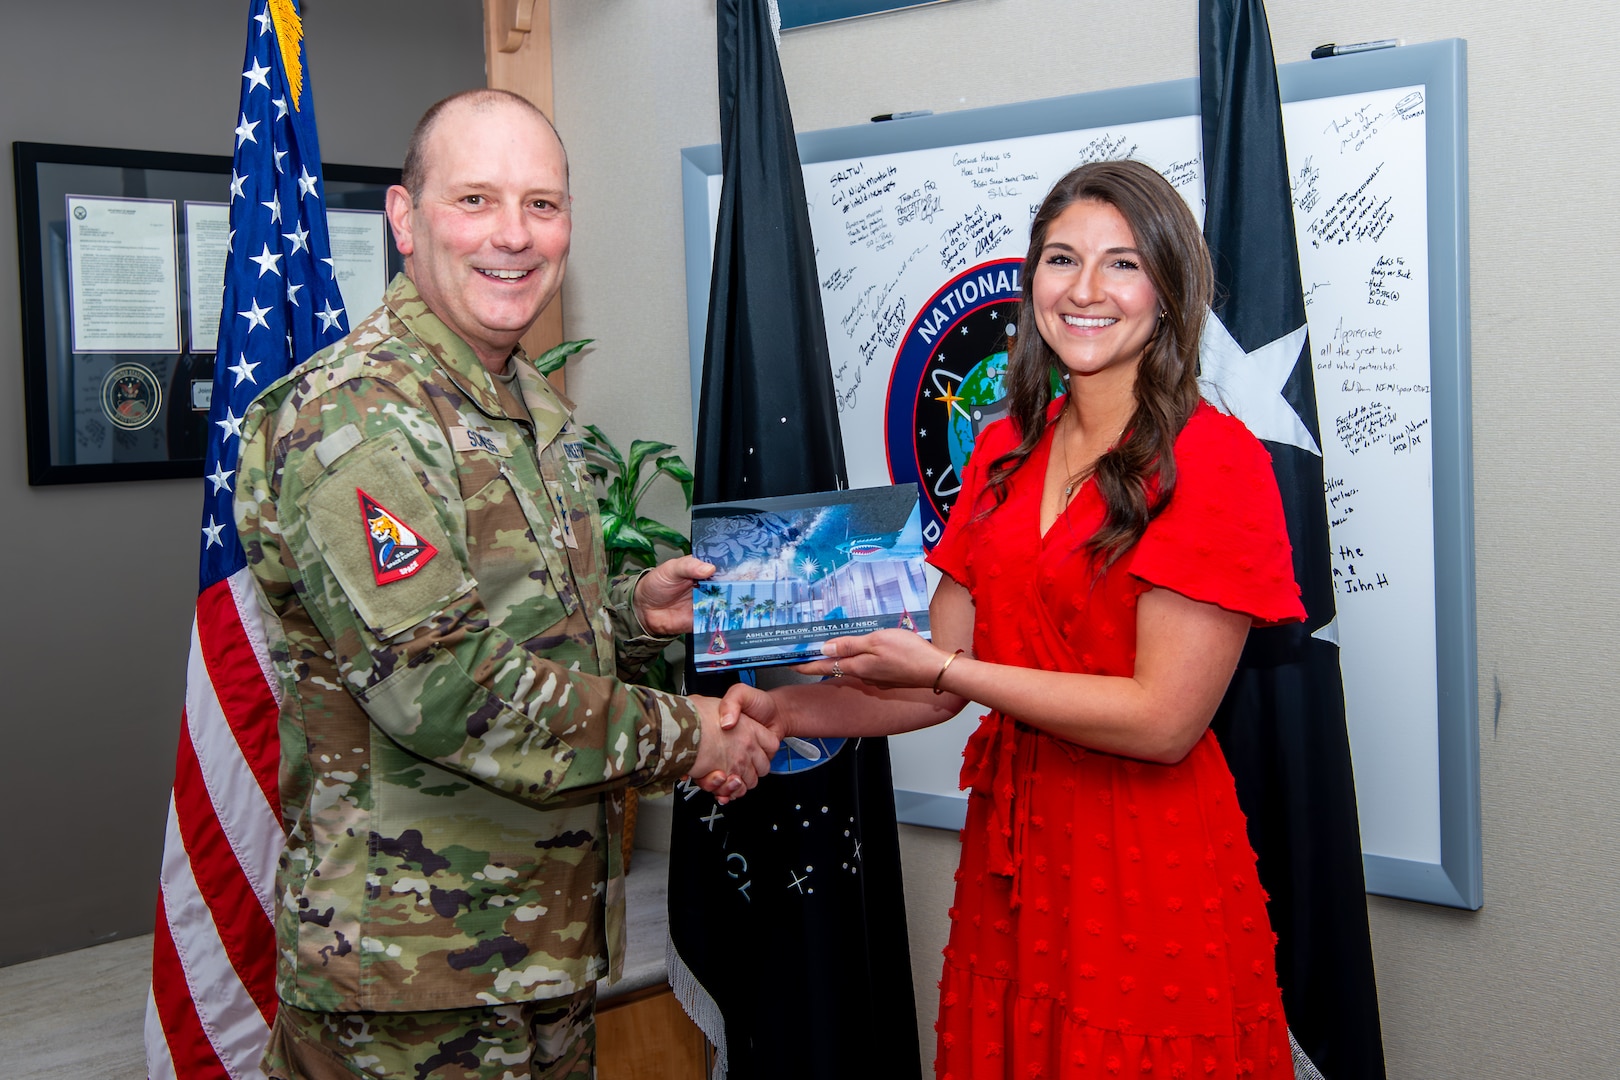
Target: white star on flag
x,y
255,75
267,262
236,185
231,425
244,131
211,532
281,107
299,237
243,370
263,19
306,183
278,155
255,314
292,294
329,317
220,478
1249,386
274,206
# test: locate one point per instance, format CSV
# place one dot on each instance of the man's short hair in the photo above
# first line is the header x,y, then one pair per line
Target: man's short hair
x,y
414,173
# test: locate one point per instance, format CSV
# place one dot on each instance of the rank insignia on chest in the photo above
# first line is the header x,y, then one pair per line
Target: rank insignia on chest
x,y
396,551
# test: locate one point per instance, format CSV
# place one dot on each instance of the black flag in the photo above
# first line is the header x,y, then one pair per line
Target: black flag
x,y
1282,724
786,912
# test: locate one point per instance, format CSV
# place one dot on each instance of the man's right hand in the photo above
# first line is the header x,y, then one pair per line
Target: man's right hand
x,y
743,700
732,755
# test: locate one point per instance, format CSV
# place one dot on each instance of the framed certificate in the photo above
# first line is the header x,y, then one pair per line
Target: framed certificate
x,y
122,266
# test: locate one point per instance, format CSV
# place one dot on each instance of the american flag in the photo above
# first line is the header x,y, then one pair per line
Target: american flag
x,y
213,964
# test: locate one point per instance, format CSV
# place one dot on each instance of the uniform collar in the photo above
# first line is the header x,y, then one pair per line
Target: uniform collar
x,y
548,409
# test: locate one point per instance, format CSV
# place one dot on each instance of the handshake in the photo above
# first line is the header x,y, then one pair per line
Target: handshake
x,y
740,736
741,731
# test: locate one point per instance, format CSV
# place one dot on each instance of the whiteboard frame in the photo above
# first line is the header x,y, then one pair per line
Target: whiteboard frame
x,y
1457,879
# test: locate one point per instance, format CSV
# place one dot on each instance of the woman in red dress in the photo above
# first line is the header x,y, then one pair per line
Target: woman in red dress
x,y
1102,564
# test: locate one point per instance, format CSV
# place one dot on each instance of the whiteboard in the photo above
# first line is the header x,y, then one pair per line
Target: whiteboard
x,y
916,224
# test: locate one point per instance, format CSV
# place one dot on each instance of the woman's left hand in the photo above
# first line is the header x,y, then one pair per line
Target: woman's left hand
x,y
890,659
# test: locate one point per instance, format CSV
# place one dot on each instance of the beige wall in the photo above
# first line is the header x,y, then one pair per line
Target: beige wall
x,y
100,578
1526,986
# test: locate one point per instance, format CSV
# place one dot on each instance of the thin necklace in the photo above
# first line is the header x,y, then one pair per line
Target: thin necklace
x,y
1077,477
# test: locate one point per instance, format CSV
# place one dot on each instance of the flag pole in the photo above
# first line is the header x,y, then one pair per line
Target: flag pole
x,y
212,996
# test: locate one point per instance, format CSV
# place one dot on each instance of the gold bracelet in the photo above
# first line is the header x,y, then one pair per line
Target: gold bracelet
x,y
949,660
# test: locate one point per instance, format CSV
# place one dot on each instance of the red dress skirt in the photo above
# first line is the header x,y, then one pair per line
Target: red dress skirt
x,y
1108,920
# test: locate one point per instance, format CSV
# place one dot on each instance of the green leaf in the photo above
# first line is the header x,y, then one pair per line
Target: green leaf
x,y
556,356
598,441
640,451
635,544
642,447
632,536
663,534
672,466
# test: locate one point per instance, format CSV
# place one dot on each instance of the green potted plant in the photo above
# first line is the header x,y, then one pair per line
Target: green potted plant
x,y
632,539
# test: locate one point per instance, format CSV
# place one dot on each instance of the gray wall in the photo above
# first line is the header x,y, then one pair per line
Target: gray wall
x,y
102,576
1526,986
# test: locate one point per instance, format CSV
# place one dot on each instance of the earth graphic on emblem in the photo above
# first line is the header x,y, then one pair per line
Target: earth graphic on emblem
x,y
979,403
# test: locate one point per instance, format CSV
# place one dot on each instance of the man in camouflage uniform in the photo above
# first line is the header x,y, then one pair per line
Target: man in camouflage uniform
x,y
458,724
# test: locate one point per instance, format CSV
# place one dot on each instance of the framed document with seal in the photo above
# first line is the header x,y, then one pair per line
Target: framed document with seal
x,y
122,266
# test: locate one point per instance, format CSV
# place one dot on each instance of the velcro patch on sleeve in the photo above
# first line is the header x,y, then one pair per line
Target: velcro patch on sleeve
x,y
340,442
397,551
378,533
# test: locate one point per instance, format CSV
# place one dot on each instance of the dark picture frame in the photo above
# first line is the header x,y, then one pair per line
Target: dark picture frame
x,y
71,398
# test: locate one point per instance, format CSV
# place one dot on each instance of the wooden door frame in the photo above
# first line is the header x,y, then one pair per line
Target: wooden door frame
x,y
517,57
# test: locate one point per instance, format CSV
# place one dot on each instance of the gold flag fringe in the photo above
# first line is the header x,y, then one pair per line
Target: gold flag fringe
x,y
290,37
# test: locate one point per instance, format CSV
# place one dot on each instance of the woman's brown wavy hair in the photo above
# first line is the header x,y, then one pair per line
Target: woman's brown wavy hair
x,y
1177,263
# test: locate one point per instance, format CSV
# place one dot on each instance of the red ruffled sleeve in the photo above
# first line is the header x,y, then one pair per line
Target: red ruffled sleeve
x,y
1223,539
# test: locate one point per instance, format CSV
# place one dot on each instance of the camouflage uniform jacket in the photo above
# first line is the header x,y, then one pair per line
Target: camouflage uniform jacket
x,y
456,728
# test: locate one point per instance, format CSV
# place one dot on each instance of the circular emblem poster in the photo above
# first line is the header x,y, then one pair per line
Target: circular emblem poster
x,y
948,383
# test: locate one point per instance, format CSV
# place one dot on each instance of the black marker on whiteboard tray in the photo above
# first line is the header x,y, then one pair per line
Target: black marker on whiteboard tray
x,y
1323,51
901,115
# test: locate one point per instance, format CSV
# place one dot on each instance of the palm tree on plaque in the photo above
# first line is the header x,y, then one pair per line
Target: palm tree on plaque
x,y
710,604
